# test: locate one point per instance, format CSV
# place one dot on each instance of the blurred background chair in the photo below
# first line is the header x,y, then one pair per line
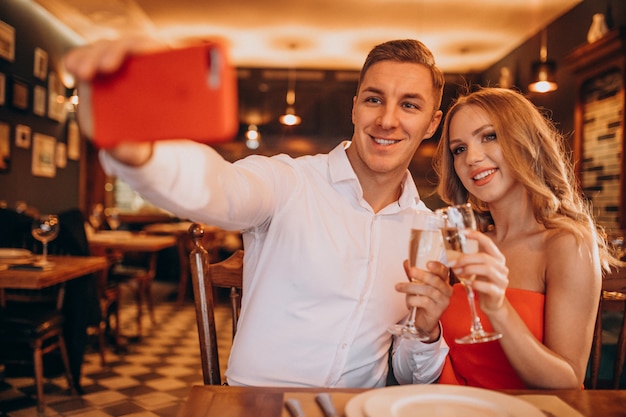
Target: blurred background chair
x,y
206,277
31,326
612,304
612,301
135,271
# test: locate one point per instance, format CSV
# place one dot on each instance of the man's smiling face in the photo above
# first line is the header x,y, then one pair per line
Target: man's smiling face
x,y
393,112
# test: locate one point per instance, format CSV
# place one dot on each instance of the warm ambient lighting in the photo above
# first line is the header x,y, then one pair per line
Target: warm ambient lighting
x,y
543,71
253,137
290,118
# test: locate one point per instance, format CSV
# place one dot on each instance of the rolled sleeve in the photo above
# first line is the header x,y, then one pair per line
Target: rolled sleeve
x,y
416,362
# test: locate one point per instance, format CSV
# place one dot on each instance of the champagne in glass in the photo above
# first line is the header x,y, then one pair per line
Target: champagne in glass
x,y
425,244
45,228
457,221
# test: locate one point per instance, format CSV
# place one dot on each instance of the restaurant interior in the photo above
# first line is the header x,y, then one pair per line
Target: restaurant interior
x,y
302,61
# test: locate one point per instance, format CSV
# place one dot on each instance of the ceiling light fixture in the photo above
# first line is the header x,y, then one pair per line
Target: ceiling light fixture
x,y
290,118
543,71
253,137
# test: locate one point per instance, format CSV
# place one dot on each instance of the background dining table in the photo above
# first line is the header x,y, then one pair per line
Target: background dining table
x,y
126,241
65,268
219,400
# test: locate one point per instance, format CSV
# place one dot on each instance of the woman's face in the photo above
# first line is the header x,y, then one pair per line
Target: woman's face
x,y
478,159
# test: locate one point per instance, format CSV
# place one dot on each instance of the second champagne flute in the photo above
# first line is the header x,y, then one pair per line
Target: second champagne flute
x,y
425,244
458,220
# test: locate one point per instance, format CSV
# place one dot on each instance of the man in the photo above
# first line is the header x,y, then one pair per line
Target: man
x,y
325,236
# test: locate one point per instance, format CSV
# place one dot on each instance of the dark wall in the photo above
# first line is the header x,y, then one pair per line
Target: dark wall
x,y
564,35
34,29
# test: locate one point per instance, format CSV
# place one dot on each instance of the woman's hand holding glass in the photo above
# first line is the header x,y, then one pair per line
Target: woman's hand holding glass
x,y
460,222
489,267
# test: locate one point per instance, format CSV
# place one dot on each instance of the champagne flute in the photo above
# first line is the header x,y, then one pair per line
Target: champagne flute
x,y
45,228
458,220
425,244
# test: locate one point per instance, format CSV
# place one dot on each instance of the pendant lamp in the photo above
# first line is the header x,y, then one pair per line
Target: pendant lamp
x,y
543,71
290,118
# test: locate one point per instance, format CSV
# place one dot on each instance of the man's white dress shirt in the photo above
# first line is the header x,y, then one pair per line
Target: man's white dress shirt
x,y
319,264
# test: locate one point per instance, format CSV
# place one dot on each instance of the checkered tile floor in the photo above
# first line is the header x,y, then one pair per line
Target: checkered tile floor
x,y
152,379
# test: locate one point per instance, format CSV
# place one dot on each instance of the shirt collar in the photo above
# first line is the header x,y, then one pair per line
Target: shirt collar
x,y
340,170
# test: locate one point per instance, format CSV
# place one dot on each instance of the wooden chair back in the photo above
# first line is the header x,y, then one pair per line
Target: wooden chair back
x,y
612,298
205,277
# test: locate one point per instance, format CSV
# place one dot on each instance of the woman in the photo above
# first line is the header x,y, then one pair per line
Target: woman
x,y
539,267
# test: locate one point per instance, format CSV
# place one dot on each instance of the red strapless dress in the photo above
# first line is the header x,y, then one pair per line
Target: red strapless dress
x,y
485,364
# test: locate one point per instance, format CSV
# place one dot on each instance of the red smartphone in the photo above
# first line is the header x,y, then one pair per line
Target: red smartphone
x,y
185,93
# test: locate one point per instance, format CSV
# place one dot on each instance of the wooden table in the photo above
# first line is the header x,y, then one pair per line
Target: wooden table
x,y
129,242
210,400
65,269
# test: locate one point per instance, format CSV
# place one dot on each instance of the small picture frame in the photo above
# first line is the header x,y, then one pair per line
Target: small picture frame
x,y
40,66
5,147
73,140
22,136
60,155
20,95
56,98
3,88
7,42
39,101
44,162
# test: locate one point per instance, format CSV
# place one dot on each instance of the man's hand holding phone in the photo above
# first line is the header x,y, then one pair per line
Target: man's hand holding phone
x,y
137,91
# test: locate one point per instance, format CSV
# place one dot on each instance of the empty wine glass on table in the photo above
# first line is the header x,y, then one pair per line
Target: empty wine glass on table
x,y
425,244
457,221
45,228
112,216
96,216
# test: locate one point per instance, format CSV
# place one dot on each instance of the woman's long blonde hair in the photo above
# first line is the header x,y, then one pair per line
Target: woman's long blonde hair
x,y
534,150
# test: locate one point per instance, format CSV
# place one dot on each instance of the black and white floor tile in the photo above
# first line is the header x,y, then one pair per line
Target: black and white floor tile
x,y
152,379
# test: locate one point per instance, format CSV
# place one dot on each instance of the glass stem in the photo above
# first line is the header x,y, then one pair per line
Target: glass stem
x,y
477,327
45,252
411,323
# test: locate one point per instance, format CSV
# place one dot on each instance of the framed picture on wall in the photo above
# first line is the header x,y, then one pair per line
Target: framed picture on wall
x,y
3,88
5,147
56,98
60,155
7,41
40,67
44,163
20,95
39,100
22,136
73,140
